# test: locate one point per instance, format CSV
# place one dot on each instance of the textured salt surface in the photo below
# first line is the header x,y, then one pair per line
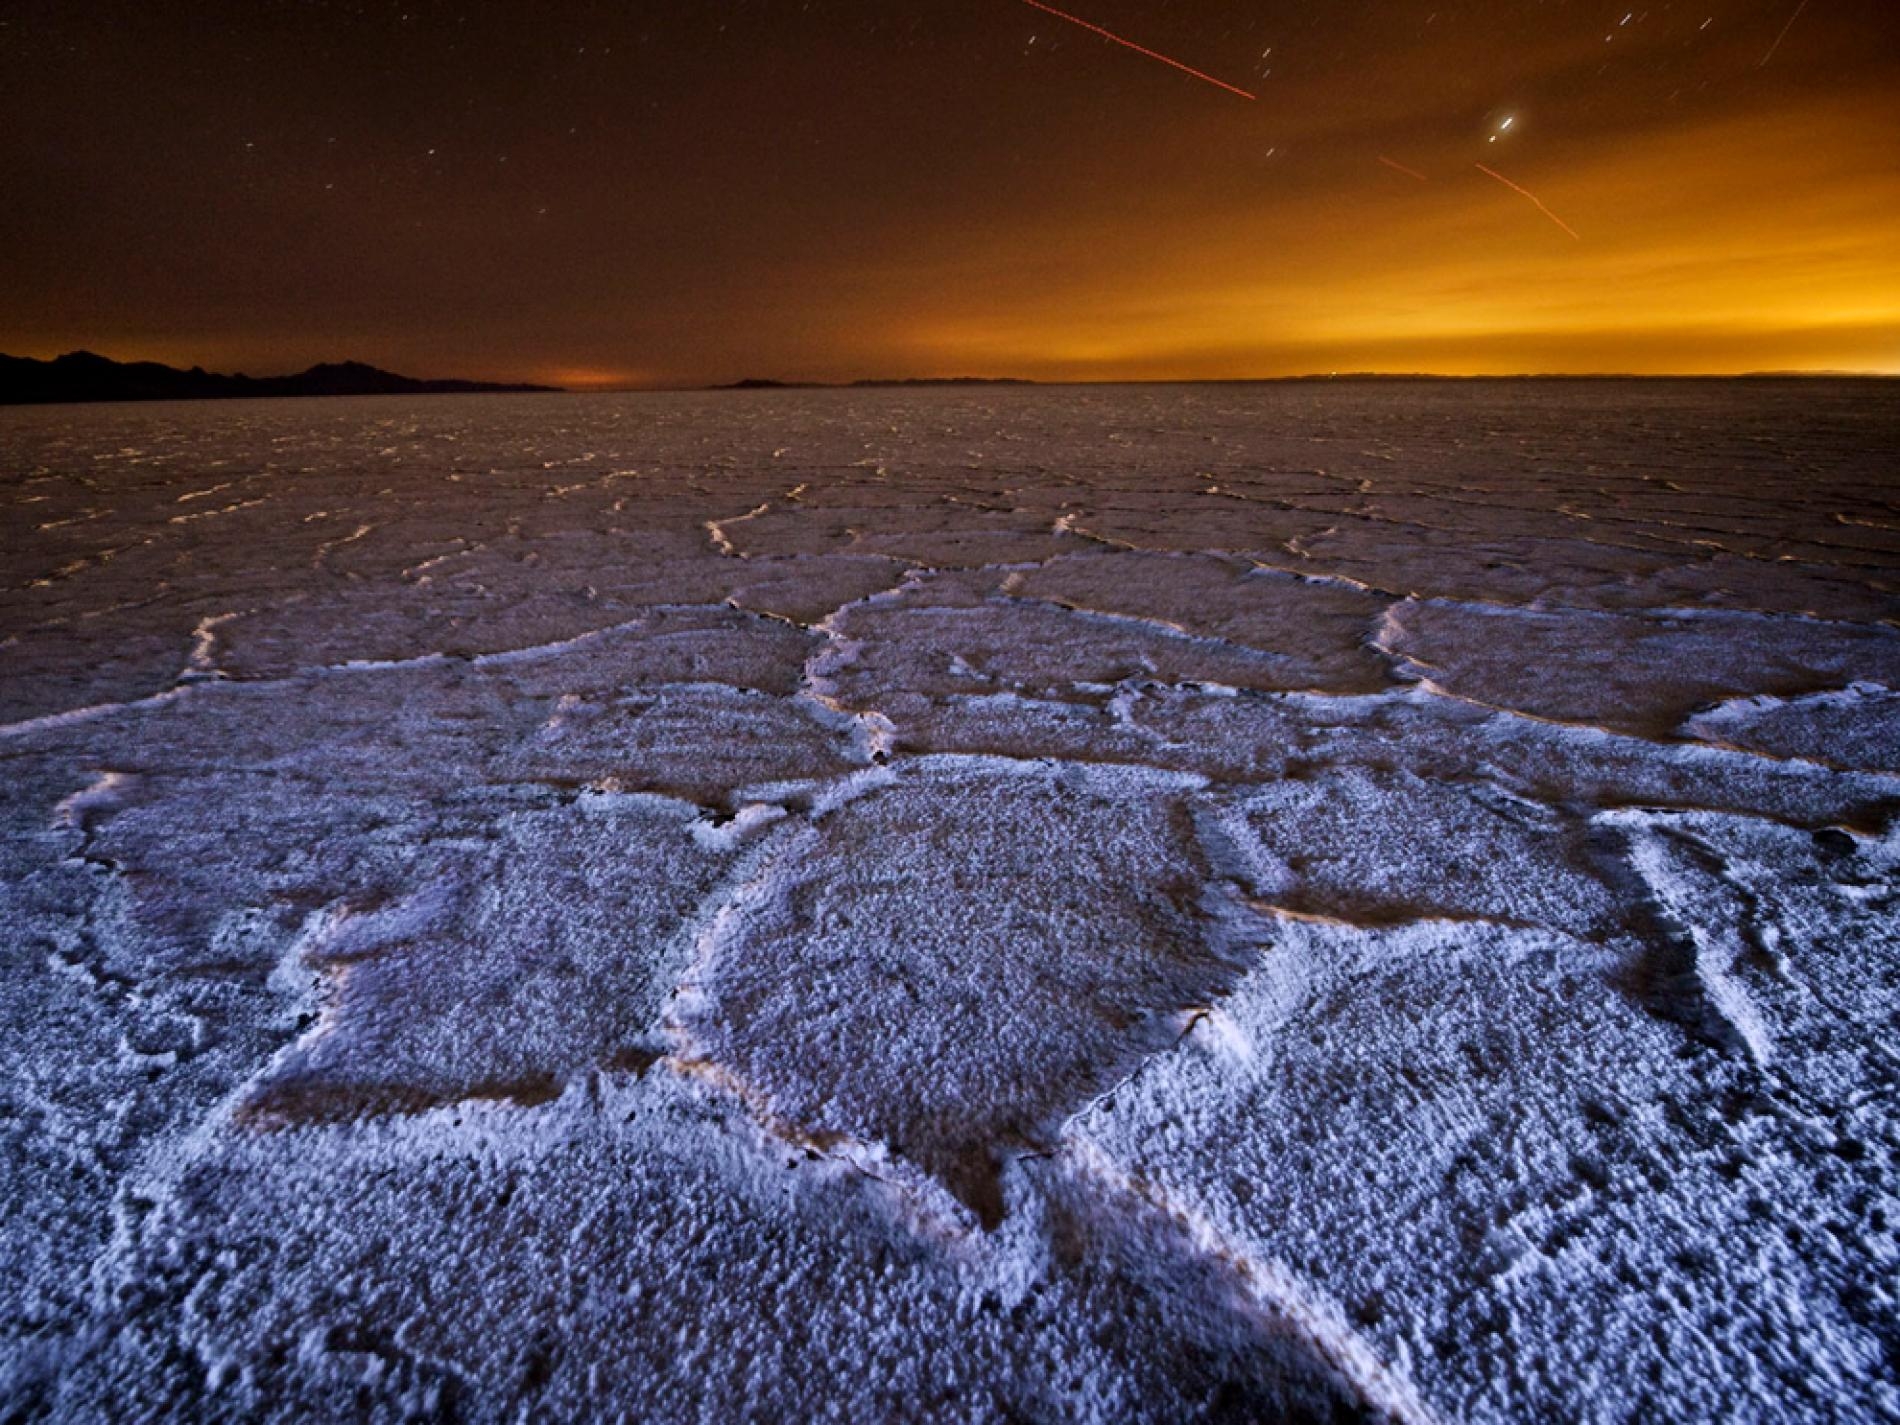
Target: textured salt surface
x,y
1049,904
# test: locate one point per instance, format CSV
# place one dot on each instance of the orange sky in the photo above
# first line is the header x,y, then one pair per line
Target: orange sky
x,y
1747,242
825,191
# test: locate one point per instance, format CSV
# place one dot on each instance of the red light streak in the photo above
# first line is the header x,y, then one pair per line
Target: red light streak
x,y
1408,172
1138,49
1515,188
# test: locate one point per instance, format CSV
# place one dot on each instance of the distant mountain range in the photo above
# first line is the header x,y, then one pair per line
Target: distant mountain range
x,y
85,376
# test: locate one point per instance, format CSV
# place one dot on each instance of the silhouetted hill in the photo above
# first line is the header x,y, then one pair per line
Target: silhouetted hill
x,y
86,376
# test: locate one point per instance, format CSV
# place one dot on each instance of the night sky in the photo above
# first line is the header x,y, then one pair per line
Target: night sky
x,y
669,194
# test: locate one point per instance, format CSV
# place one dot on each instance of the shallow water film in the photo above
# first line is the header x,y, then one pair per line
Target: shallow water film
x,y
1301,901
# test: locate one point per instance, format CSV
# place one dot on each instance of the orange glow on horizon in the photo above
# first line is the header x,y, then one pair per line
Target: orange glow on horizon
x,y
1695,265
593,378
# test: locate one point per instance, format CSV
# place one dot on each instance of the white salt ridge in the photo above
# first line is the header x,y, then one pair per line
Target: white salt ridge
x,y
1278,903
1854,727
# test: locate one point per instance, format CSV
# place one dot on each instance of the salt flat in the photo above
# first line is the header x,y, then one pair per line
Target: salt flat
x,y
1135,903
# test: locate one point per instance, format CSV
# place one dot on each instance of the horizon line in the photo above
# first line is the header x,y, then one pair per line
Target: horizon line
x,y
552,382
